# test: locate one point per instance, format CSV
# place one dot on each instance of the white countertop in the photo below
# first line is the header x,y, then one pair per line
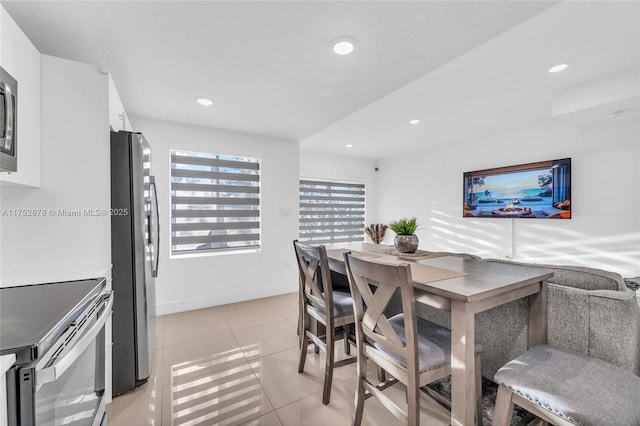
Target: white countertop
x,y
51,275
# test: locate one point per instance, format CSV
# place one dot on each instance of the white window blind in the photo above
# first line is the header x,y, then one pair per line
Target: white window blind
x,y
215,202
331,212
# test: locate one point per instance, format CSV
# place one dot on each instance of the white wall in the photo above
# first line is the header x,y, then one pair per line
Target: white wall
x,y
75,176
604,231
344,168
116,109
197,282
21,59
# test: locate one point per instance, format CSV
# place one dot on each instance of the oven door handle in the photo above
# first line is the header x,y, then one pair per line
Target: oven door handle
x,y
55,371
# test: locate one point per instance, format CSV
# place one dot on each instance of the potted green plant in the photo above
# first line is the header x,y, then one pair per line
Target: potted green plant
x,y
406,241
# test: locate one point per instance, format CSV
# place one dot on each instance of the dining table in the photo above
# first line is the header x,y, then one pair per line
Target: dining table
x,y
463,287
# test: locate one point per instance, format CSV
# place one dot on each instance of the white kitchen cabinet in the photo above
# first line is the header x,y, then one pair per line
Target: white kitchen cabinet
x,y
20,58
6,362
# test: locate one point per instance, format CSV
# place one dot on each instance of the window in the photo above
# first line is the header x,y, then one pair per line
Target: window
x,y
215,202
331,212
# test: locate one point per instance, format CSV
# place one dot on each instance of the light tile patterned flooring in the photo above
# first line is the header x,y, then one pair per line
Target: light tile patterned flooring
x,y
237,364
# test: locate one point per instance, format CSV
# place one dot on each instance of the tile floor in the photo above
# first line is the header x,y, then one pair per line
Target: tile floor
x,y
237,365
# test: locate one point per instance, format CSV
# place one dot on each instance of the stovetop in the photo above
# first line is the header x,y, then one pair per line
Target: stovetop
x,y
32,317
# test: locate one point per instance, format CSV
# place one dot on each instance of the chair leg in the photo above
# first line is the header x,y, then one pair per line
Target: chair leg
x,y
304,343
360,392
478,392
328,369
504,407
413,402
347,333
300,315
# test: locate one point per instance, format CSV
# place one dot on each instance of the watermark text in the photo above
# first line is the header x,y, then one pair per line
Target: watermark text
x,y
63,212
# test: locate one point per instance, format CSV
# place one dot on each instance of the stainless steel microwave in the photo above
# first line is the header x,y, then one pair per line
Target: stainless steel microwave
x,y
8,121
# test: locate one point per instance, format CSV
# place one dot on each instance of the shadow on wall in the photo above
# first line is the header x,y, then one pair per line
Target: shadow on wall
x,y
482,237
617,252
539,243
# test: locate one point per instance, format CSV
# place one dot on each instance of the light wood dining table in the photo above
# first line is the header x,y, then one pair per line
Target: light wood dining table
x,y
463,287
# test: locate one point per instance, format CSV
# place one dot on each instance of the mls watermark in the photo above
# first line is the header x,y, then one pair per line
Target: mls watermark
x,y
63,212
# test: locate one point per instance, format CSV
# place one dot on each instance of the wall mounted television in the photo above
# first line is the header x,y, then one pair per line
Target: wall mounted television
x,y
539,190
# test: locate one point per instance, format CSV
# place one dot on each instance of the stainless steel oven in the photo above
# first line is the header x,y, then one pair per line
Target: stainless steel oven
x,y
63,380
8,122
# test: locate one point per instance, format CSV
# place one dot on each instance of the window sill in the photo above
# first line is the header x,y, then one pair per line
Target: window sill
x,y
214,253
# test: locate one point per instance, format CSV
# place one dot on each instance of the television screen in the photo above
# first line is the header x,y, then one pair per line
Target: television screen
x,y
536,190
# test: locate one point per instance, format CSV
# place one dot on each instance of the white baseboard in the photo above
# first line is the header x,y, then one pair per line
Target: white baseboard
x,y
221,299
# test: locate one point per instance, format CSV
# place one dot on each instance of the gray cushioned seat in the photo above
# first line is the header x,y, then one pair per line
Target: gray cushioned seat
x,y
342,304
577,387
434,343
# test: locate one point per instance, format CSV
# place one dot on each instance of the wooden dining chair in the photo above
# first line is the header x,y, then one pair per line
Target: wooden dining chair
x,y
414,351
325,313
343,284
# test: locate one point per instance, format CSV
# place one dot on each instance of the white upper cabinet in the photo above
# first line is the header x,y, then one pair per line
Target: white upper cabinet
x,y
20,58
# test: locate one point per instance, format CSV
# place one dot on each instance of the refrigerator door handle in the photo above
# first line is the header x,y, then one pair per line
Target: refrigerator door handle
x,y
154,237
149,213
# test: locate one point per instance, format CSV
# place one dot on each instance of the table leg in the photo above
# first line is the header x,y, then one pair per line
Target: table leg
x,y
538,317
463,376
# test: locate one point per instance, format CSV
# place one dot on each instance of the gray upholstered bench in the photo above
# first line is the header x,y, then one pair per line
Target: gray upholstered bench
x,y
567,388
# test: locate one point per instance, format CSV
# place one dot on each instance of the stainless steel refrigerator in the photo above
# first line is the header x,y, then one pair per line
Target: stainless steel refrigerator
x,y
134,257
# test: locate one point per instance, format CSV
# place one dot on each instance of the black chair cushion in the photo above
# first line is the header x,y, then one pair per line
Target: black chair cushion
x,y
338,281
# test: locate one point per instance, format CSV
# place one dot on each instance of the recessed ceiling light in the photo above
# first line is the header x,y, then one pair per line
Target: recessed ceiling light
x,y
414,121
349,145
558,68
343,45
204,101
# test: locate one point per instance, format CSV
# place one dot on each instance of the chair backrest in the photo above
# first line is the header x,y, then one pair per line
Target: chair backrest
x,y
316,287
373,286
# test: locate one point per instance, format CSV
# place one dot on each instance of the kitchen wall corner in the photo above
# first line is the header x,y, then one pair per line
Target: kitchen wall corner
x,y
63,237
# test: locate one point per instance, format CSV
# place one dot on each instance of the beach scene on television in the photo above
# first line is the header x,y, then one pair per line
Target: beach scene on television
x,y
539,190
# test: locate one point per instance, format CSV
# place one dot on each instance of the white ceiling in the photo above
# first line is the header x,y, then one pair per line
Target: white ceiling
x,y
268,65
504,83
